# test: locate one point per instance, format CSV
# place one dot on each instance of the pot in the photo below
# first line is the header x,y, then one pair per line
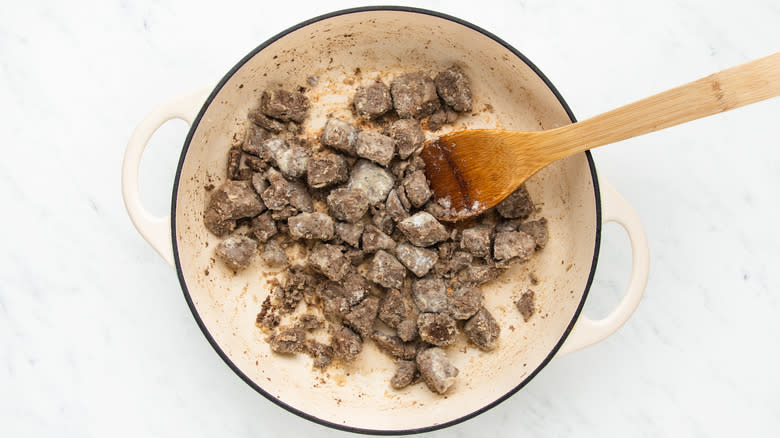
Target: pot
x,y
357,397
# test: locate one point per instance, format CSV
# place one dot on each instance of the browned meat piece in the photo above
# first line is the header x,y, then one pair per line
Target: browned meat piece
x,y
263,227
415,163
261,120
477,275
253,142
381,219
407,135
293,161
237,252
255,163
347,205
414,95
407,330
244,174
282,192
329,261
446,250
284,105
335,299
372,101
274,256
326,169
287,341
514,244
236,200
392,309
438,329
374,239
259,183
234,160
394,208
349,233
422,229
538,230
516,205
508,225
311,322
394,346
375,147
448,268
386,270
466,301
217,224
417,190
361,317
346,344
355,256
454,89
436,370
321,353
482,329
340,135
355,288
404,374
526,305
285,213
376,182
267,318
476,240
430,295
288,298
418,260
437,120
311,226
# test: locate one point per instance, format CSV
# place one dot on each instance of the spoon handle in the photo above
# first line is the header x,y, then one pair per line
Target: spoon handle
x,y
723,91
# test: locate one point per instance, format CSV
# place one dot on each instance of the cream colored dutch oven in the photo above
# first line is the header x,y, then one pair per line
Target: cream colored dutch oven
x,y
357,397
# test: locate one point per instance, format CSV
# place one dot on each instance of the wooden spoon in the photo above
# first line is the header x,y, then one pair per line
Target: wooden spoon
x,y
476,169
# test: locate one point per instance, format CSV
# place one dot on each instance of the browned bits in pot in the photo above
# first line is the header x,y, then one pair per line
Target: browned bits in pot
x,y
436,369
311,226
237,252
326,169
284,105
514,244
482,329
407,135
375,147
454,89
418,260
414,95
437,328
516,205
340,135
386,270
372,101
404,374
392,309
526,305
347,205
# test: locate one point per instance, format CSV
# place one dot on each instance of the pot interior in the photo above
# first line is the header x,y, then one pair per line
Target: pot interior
x,y
507,94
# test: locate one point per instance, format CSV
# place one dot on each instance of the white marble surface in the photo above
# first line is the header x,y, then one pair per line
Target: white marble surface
x,y
96,339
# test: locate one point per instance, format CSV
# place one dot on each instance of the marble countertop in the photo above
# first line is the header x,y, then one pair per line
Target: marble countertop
x,y
96,340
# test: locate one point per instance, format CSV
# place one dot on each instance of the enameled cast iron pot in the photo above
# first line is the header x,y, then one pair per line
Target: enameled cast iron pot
x,y
358,398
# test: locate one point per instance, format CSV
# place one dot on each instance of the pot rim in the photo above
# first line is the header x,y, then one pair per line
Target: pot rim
x,y
214,343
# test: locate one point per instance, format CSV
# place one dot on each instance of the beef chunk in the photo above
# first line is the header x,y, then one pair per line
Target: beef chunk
x,y
288,297
274,256
407,135
321,353
349,233
513,244
335,299
381,219
414,95
418,260
255,163
466,301
356,287
386,270
261,120
407,330
477,275
422,229
404,374
259,183
538,230
287,341
355,256
394,346
417,190
326,169
454,89
236,200
217,224
346,344
292,161
372,101
311,226
375,147
237,252
374,239
253,142
430,295
234,160
285,213
329,261
395,209
448,268
482,329
508,225
436,370
347,204
282,193
476,240
340,135
437,328
437,120
263,227
375,181
392,309
284,105
516,205
361,317
526,305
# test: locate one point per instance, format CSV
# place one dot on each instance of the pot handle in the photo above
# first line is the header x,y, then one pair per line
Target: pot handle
x,y
586,331
156,230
